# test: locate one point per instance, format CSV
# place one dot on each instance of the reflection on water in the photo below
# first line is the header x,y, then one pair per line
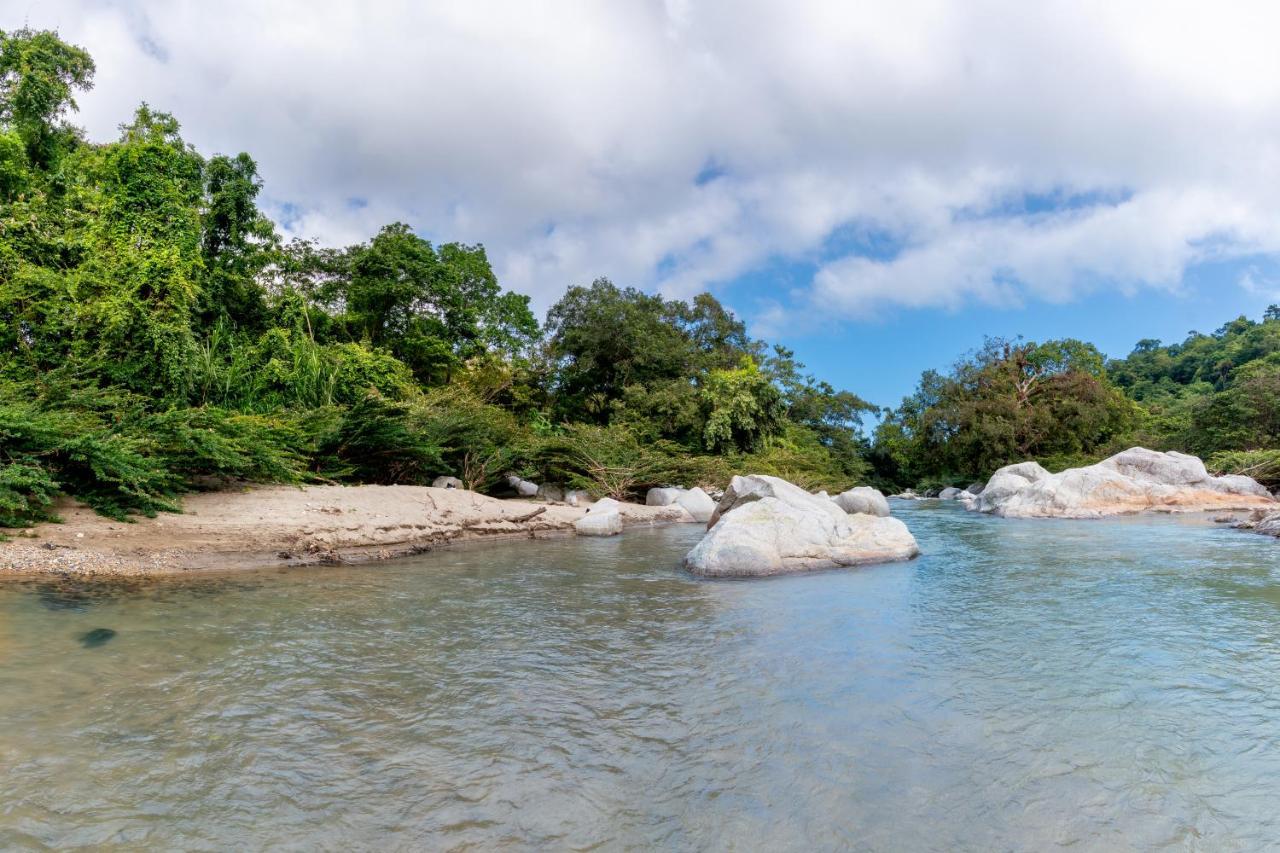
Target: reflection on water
x,y
1025,684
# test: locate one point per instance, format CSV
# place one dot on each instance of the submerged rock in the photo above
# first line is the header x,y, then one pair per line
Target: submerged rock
x,y
602,519
446,483
96,637
767,526
1132,481
863,499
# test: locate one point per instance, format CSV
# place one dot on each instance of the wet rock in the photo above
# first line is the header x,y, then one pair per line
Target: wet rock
x,y
950,493
96,637
863,499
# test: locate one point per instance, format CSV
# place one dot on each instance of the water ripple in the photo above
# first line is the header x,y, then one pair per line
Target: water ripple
x,y
1025,685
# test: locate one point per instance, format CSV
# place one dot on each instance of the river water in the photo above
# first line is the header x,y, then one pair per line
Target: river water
x,y
1024,685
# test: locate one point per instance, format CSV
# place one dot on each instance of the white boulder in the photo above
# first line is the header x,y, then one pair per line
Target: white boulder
x,y
603,518
767,526
662,496
446,483
697,503
1131,481
523,488
863,499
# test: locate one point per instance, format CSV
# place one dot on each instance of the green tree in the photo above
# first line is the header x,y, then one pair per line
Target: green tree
x,y
39,74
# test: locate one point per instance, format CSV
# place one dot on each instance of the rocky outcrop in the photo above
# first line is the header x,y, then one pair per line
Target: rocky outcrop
x,y
766,526
446,483
1135,480
602,519
863,499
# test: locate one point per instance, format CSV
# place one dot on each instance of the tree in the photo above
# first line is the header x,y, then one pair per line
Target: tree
x,y
604,339
432,308
236,243
741,408
38,75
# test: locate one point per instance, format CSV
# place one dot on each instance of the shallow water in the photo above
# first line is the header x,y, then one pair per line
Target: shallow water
x,y
1024,685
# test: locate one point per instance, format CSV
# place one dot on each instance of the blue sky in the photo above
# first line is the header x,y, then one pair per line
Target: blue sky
x,y
877,185
882,359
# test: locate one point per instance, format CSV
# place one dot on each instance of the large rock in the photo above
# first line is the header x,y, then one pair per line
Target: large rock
x,y
1132,481
602,519
767,526
697,503
950,493
863,499
446,483
551,492
662,496
523,488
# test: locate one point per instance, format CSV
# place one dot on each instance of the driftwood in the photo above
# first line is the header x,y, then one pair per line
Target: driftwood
x,y
528,515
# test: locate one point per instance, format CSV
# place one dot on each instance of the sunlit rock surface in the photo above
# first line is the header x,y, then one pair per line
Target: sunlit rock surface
x,y
767,526
1132,481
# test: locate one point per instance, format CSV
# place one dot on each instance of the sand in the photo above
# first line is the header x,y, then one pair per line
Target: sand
x,y
287,526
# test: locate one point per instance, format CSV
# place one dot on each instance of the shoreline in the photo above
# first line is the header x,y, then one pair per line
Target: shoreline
x,y
284,526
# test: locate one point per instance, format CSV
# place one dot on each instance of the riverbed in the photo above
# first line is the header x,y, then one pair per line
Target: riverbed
x,y
1022,685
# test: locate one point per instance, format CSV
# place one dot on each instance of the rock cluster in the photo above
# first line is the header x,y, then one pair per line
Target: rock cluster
x,y
1132,481
766,526
694,501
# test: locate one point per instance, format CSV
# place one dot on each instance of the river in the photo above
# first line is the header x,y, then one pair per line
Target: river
x,y
1023,685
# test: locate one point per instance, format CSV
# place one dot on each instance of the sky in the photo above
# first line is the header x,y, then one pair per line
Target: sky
x,y
876,185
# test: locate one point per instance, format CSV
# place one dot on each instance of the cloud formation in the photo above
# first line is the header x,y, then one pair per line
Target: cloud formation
x,y
995,151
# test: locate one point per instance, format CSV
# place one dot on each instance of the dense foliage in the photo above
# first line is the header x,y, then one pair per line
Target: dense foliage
x,y
156,335
1060,402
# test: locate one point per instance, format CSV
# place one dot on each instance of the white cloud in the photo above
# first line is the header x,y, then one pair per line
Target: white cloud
x,y
567,135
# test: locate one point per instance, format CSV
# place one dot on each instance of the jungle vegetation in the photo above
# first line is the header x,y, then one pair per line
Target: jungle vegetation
x,y
157,335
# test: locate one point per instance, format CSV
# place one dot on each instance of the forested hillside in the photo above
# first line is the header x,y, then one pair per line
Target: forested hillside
x,y
159,336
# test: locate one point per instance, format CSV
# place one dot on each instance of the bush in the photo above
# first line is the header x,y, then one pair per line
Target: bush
x,y
374,441
1261,465
608,461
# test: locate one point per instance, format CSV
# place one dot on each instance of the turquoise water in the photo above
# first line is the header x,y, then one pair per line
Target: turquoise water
x,y
1025,685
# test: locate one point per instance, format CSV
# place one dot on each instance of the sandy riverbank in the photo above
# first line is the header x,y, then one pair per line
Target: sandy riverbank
x,y
279,525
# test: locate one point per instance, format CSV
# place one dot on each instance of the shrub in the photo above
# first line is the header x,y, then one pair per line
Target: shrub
x,y
608,461
1261,465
